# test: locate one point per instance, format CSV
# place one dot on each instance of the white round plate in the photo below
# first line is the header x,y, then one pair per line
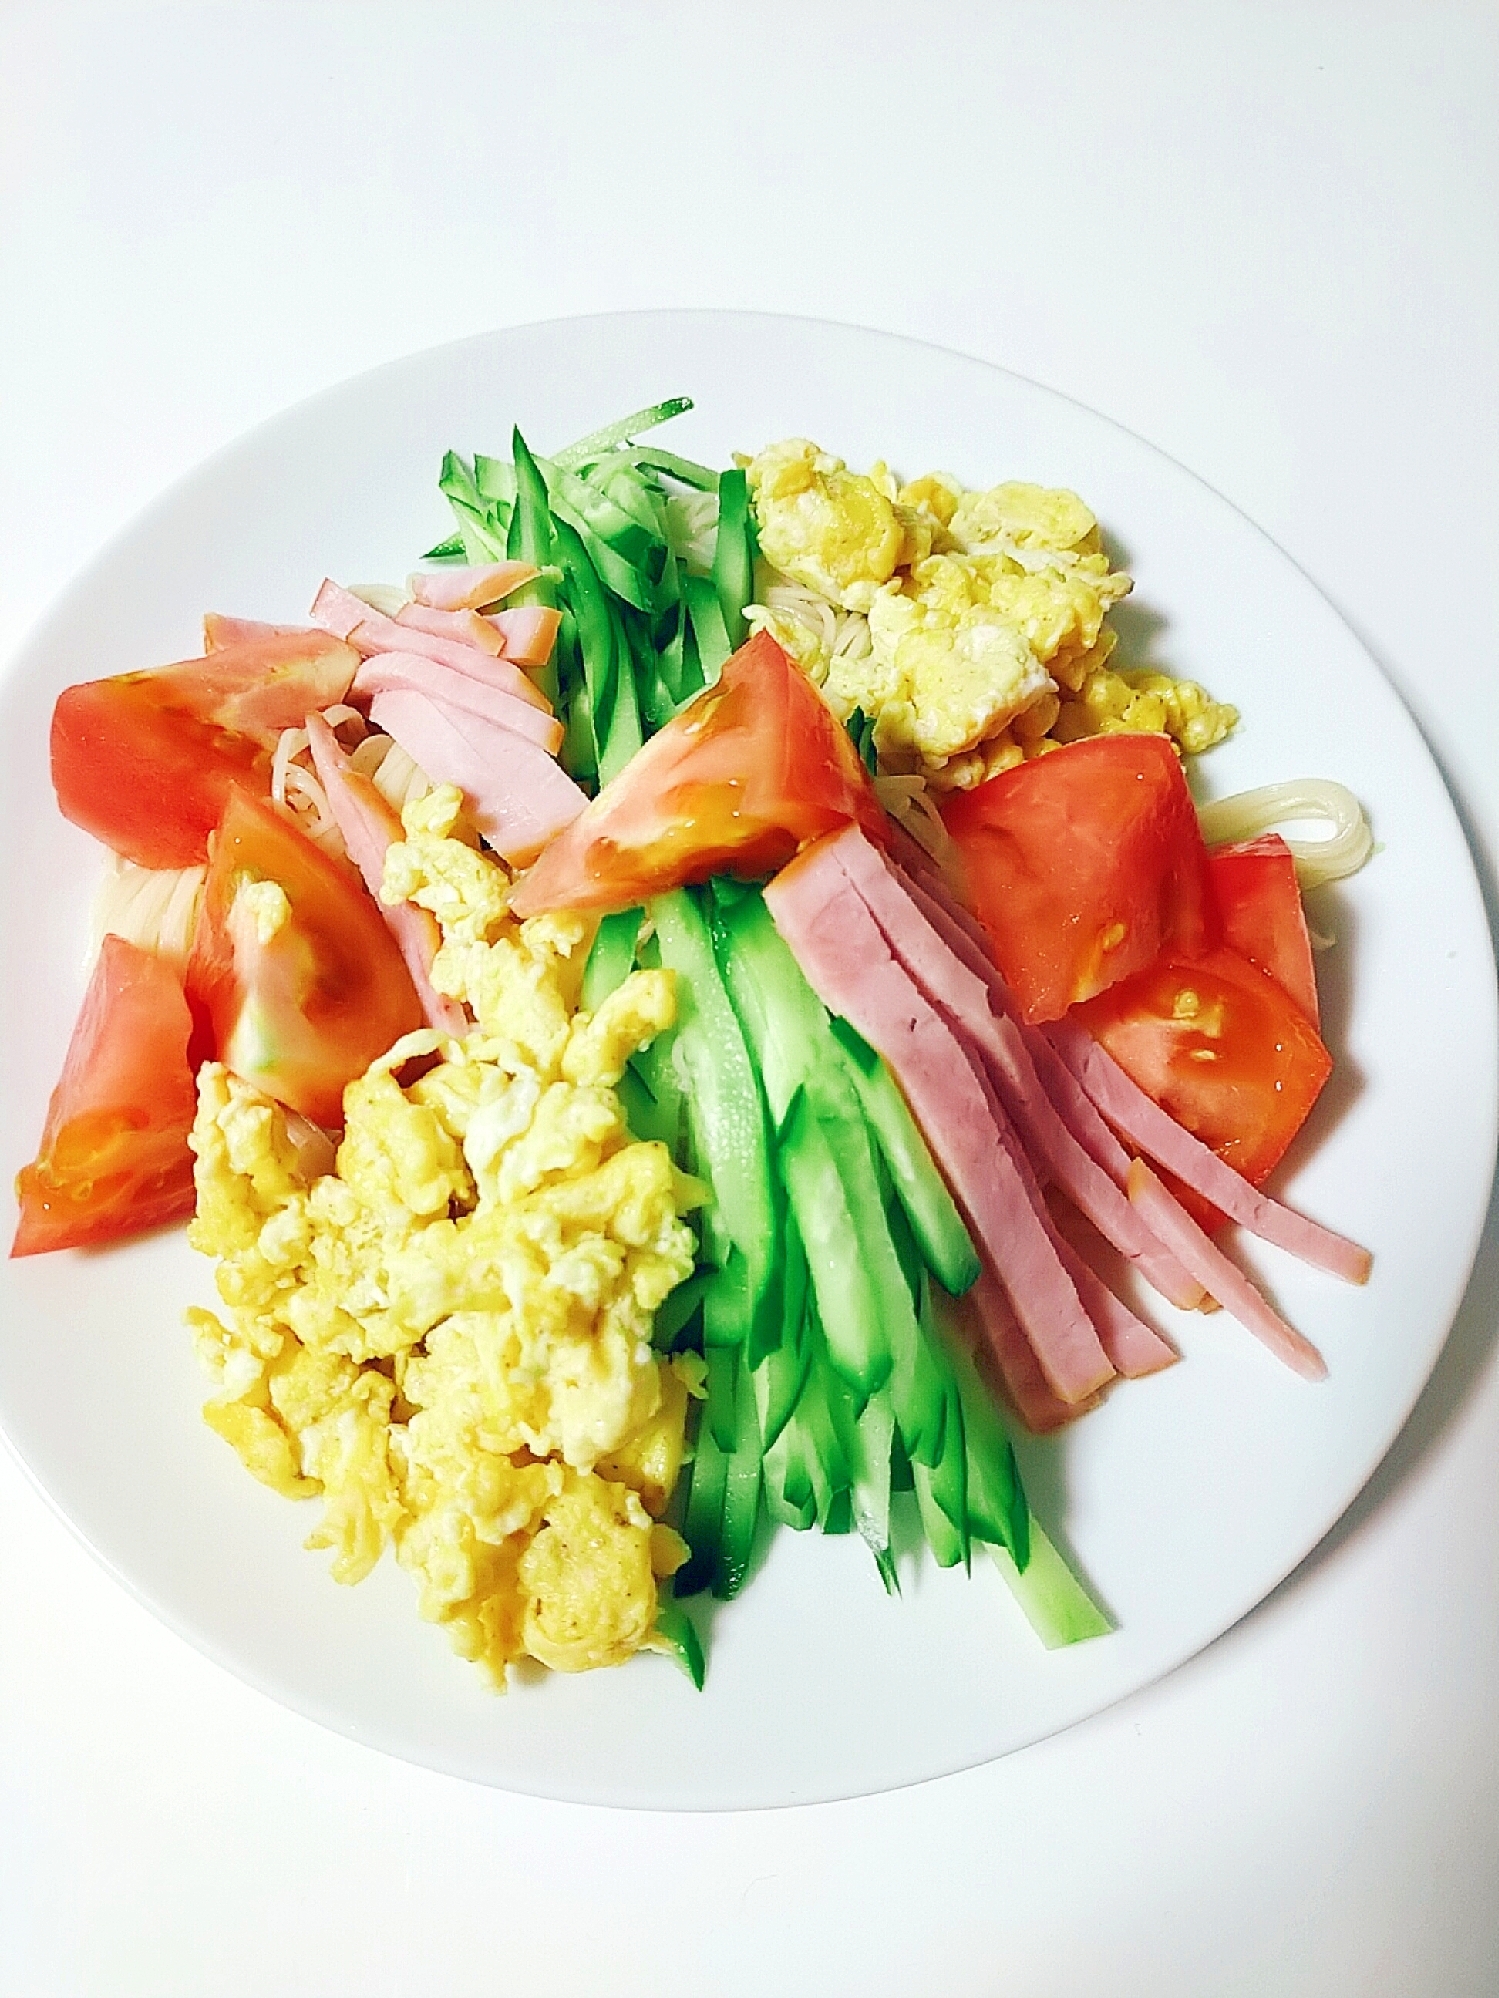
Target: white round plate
x,y
1185,1499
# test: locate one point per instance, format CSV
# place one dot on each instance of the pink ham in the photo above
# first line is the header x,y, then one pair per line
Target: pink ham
x,y
529,632
1222,1278
520,796
461,589
465,625
369,825
457,693
1133,1347
964,997
1029,1391
346,616
1145,1124
849,965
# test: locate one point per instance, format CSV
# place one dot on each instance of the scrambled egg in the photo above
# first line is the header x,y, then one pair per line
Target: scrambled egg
x,y
830,528
970,626
448,1337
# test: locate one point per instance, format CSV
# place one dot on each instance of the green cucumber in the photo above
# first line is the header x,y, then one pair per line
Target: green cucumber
x,y
742,1478
702,1523
612,958
709,631
726,1107
678,1633
946,1245
733,555
996,1503
599,443
1058,1607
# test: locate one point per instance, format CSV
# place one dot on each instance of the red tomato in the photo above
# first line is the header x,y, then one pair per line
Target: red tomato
x,y
303,1011
749,771
1084,864
114,1159
1220,1046
145,761
1259,908
150,781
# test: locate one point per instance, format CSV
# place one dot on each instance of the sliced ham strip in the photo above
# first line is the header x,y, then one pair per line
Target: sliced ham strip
x,y
1222,1278
465,625
461,693
529,632
846,960
1027,1387
368,631
1145,1124
1075,1172
471,588
520,796
1133,1347
963,995
369,826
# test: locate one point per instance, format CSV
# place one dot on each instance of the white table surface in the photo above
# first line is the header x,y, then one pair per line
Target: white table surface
x,y
1264,237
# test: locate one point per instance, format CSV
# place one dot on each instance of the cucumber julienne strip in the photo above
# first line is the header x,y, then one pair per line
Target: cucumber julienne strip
x,y
1059,1608
742,1482
678,1636
726,1104
734,554
946,1246
612,957
599,443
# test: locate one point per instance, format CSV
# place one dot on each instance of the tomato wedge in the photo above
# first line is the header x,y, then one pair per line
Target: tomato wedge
x,y
148,780
1083,865
749,771
114,1159
146,761
1259,907
301,989
1220,1046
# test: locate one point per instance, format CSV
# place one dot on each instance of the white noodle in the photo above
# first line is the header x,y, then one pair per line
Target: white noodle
x,y
307,798
154,907
909,803
290,743
297,787
1337,854
393,773
836,633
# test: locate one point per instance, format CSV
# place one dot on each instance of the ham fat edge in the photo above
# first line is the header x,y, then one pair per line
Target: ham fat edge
x,y
1006,1107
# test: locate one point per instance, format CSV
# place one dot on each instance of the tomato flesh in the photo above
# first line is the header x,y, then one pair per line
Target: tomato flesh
x,y
114,1159
150,781
1259,907
297,996
1083,865
746,774
146,761
1219,1046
